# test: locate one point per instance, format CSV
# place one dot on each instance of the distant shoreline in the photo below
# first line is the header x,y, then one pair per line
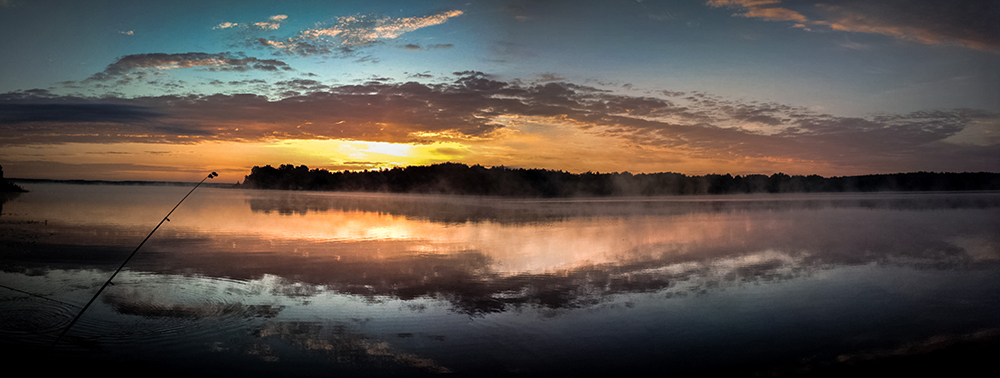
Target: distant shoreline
x,y
461,179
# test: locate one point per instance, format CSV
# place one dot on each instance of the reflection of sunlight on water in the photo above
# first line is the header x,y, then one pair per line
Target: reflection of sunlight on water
x,y
536,245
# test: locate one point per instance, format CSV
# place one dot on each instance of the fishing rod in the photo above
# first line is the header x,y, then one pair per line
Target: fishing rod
x,y
108,282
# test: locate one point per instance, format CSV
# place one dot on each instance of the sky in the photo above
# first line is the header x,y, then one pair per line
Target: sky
x,y
171,90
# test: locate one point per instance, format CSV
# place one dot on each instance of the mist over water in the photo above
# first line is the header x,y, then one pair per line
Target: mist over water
x,y
308,283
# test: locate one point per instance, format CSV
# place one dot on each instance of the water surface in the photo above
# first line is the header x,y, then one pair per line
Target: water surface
x,y
260,282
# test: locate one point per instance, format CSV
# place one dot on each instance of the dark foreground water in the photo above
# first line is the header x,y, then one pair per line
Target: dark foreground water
x,y
259,283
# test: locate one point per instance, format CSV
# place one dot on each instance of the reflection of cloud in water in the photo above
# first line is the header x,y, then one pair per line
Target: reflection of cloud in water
x,y
486,255
199,302
340,344
979,248
484,267
209,310
246,283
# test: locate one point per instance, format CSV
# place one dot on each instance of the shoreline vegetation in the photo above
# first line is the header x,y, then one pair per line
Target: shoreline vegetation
x,y
461,179
500,181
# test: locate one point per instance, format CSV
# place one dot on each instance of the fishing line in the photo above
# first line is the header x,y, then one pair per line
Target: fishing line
x,y
38,295
108,282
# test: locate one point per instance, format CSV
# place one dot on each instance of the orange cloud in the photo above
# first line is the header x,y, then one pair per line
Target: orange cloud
x,y
273,23
760,9
775,14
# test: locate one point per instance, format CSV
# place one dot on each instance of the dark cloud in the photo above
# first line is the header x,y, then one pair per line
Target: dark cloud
x,y
971,23
968,23
419,75
306,85
474,105
303,48
548,76
14,113
414,47
131,67
248,81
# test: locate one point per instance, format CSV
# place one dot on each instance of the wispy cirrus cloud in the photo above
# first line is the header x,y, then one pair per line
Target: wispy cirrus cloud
x,y
352,32
136,66
966,23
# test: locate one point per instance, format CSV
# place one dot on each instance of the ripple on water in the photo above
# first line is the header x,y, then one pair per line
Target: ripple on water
x,y
32,316
171,311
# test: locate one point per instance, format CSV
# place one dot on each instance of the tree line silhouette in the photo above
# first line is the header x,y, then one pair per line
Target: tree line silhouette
x,y
455,178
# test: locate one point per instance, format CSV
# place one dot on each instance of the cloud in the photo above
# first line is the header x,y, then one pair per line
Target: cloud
x,y
415,47
477,107
129,32
273,23
72,113
419,75
742,3
765,9
135,66
225,25
548,76
305,85
247,81
970,24
849,44
354,31
967,23
775,14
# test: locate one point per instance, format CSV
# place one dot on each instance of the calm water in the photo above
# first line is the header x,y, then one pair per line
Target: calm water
x,y
261,282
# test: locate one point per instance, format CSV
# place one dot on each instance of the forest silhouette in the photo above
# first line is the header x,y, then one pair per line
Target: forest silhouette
x,y
455,178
